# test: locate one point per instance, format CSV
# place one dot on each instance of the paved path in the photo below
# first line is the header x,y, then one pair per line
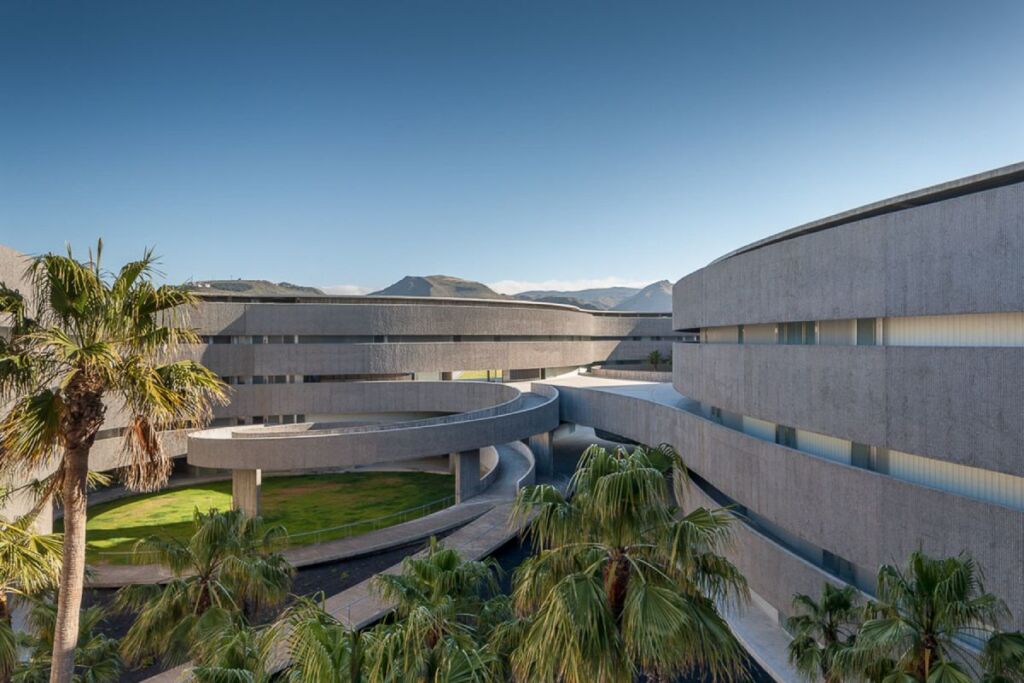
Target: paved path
x,y
358,607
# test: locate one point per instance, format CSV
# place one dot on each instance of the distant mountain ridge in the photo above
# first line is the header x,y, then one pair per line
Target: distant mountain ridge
x,y
656,297
439,286
601,298
251,288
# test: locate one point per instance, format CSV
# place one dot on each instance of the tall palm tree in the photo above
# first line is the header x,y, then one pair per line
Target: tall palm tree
x,y
925,614
96,656
824,628
29,564
622,584
230,567
442,621
81,338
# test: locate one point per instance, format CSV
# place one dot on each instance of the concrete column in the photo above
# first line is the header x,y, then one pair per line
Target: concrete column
x,y
506,375
467,474
245,491
540,445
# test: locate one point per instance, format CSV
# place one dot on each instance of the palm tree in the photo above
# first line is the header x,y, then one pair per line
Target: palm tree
x,y
81,338
925,614
29,564
229,568
317,647
96,656
442,621
824,628
227,650
622,584
655,358
1003,658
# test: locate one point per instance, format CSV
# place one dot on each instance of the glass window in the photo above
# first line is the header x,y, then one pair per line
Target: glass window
x,y
865,332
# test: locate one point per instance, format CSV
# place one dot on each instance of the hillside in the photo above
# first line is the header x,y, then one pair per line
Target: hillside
x,y
250,288
601,299
439,286
654,298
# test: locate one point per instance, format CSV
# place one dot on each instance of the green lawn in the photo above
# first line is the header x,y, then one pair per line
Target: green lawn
x,y
304,503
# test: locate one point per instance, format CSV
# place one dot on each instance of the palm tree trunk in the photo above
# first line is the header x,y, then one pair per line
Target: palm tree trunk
x,y
72,571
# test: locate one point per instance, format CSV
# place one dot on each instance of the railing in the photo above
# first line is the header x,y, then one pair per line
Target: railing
x,y
329,533
372,524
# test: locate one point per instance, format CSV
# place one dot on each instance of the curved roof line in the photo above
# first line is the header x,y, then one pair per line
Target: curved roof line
x,y
998,177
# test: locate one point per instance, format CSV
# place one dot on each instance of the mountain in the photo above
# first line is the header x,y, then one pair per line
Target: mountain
x,y
602,298
439,286
564,300
654,298
250,288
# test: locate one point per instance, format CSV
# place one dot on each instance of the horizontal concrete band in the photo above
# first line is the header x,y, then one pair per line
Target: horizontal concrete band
x,y
772,572
862,516
310,450
961,405
366,397
425,317
964,254
389,358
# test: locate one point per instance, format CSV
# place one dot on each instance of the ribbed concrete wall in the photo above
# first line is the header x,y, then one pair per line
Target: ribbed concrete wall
x,y
961,255
391,358
862,516
959,404
772,572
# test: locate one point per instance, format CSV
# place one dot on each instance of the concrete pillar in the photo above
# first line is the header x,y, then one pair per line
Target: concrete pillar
x,y
540,445
506,375
467,474
245,491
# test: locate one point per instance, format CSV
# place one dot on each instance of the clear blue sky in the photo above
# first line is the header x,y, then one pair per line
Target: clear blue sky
x,y
332,143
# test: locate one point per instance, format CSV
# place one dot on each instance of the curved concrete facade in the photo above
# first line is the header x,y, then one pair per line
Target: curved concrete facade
x,y
502,417
858,389
961,254
393,335
959,404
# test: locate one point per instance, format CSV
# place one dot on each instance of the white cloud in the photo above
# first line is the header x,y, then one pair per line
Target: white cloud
x,y
345,290
516,286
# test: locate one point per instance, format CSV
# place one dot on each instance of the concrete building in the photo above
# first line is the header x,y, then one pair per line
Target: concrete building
x,y
856,392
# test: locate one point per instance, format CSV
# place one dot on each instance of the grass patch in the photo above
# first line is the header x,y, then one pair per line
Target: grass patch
x,y
300,504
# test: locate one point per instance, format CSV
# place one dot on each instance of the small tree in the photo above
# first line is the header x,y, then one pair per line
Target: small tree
x,y
442,621
29,565
655,358
924,614
318,647
229,567
83,337
824,628
96,656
